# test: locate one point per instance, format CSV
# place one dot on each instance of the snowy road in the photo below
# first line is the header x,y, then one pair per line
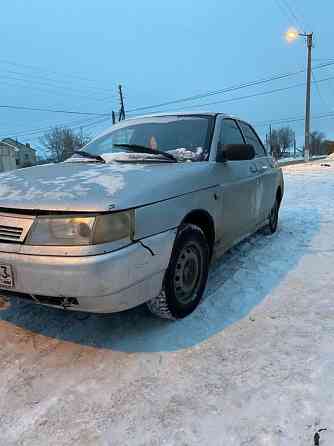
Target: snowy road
x,y
253,366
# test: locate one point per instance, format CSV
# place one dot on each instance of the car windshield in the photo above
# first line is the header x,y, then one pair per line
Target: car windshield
x,y
184,137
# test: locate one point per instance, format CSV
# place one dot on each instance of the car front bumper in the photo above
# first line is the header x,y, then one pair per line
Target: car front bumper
x,y
103,283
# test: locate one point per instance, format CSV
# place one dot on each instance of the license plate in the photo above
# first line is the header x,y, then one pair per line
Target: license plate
x,y
6,276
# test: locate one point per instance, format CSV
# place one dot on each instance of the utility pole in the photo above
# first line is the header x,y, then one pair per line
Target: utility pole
x,y
294,146
270,140
309,38
291,35
113,117
122,110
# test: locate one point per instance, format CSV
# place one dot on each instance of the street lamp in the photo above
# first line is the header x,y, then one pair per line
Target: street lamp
x,y
291,35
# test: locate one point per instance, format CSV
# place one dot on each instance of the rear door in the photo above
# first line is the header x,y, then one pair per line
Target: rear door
x,y
239,188
267,174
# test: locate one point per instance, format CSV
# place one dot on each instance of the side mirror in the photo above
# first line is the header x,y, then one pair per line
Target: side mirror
x,y
235,152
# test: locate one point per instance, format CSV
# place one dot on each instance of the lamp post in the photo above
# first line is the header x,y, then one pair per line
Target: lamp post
x,y
292,35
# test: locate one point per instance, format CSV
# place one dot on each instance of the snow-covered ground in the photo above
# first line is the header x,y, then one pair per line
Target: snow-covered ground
x,y
253,366
298,159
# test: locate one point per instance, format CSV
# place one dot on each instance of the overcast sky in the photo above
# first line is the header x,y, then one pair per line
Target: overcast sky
x,y
71,55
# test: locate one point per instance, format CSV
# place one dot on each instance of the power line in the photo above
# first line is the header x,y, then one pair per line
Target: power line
x,y
293,15
226,90
50,88
304,18
36,133
290,14
264,93
283,9
319,91
216,92
293,119
17,107
107,115
46,127
44,80
176,101
44,87
43,122
329,59
41,69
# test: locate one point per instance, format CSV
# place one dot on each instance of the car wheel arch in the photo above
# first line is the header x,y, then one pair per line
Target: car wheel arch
x,y
204,220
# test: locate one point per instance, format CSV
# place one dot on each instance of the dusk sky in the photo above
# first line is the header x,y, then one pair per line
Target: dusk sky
x,y
71,55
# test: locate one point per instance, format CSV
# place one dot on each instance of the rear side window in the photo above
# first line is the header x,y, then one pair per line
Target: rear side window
x,y
252,138
230,133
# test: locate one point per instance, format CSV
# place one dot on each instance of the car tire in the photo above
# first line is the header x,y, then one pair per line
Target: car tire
x,y
273,218
186,276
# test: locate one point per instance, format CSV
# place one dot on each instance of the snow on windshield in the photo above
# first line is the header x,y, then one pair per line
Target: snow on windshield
x,y
187,138
181,154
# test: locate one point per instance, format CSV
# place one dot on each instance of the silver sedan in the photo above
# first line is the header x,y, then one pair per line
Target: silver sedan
x,y
137,215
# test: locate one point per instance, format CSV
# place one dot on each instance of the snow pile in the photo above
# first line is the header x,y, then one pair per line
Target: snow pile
x,y
331,157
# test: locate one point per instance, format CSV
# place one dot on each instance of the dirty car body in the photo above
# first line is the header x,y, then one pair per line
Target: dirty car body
x,y
99,236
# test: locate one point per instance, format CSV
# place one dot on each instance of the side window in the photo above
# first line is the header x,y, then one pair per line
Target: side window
x,y
230,133
252,138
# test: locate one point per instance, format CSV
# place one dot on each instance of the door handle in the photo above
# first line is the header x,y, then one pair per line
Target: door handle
x,y
253,169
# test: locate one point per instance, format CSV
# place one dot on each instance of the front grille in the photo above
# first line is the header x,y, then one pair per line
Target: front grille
x,y
10,233
14,228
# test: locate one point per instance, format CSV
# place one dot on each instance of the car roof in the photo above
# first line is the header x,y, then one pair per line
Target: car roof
x,y
180,113
186,113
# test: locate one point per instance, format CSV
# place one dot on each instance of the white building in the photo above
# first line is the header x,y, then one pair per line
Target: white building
x,y
24,155
7,157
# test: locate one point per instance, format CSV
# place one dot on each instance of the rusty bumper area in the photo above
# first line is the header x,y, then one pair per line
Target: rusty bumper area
x,y
64,302
104,283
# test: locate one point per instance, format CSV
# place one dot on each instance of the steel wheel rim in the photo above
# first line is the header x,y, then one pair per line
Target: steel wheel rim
x,y
188,274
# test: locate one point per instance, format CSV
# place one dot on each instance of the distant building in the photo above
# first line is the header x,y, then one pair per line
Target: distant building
x,y
7,157
25,155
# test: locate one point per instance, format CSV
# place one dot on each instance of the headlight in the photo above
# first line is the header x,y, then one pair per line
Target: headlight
x,y
113,227
60,231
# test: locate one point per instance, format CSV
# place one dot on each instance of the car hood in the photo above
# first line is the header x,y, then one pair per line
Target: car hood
x,y
91,187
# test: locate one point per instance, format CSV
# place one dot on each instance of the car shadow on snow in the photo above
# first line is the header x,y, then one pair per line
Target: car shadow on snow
x,y
238,282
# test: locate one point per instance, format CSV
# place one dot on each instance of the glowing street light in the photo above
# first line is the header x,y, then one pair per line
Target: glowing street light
x,y
291,35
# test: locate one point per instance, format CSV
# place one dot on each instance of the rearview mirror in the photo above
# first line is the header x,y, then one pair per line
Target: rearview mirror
x,y
235,152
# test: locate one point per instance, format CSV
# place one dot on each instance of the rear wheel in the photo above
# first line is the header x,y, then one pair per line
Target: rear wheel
x,y
273,217
186,276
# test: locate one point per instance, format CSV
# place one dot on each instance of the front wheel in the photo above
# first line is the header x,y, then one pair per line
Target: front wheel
x,y
186,276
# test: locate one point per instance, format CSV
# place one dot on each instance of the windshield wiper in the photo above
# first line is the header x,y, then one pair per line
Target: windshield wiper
x,y
143,149
89,155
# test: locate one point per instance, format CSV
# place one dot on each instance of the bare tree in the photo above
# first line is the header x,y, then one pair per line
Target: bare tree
x,y
274,144
318,145
286,138
61,142
281,140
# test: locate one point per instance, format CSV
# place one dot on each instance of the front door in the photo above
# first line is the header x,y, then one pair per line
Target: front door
x,y
239,183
